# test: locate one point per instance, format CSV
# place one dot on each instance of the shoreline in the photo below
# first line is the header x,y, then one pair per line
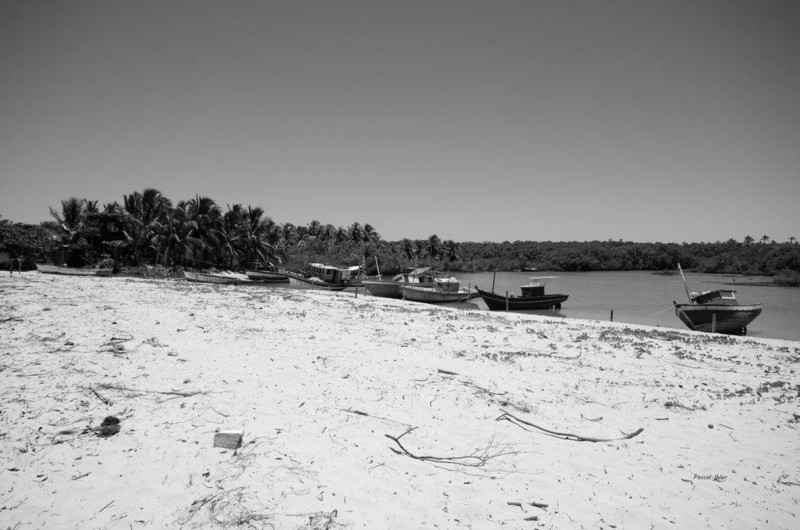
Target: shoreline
x,y
325,384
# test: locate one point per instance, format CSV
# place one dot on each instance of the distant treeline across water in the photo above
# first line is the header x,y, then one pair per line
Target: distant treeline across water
x,y
146,228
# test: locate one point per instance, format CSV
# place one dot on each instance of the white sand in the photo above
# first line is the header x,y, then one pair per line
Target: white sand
x,y
317,380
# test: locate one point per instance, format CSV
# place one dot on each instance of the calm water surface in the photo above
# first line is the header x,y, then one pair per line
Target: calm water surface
x,y
645,298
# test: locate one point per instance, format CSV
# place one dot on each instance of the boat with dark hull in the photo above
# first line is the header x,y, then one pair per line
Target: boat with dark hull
x,y
70,271
533,297
716,311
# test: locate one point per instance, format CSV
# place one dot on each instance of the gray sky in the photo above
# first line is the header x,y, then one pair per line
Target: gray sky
x,y
476,121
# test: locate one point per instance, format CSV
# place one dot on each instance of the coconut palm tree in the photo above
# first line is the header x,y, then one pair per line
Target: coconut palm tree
x,y
748,240
145,212
451,250
764,239
792,239
371,234
356,232
173,238
433,246
204,217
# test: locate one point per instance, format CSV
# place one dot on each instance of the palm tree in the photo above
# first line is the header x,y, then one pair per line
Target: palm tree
x,y
204,217
371,234
409,249
356,232
748,240
452,250
71,218
174,239
314,229
792,239
764,239
434,246
145,212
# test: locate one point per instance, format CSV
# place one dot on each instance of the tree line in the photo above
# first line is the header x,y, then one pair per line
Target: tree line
x,y
147,228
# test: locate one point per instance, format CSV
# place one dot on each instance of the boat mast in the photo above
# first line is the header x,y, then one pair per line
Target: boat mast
x,y
685,285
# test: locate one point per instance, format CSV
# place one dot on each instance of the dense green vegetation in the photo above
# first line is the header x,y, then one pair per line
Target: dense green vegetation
x,y
147,228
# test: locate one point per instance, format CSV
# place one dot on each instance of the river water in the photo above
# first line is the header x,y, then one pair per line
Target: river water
x,y
641,297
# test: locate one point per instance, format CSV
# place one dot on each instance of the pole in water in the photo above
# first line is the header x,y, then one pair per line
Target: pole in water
x,y
612,315
494,274
713,322
506,300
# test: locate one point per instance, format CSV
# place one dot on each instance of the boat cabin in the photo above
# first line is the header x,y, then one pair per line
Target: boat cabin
x,y
718,297
447,285
535,287
419,275
331,274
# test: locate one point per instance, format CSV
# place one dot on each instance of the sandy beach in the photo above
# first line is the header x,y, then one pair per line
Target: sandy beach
x,y
360,412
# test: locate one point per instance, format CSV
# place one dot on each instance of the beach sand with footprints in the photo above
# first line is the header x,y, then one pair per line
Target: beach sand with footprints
x,y
360,412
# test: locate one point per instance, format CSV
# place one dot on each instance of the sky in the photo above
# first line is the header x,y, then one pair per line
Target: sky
x,y
472,120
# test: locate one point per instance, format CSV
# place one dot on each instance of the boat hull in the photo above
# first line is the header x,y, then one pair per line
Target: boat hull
x,y
267,276
66,271
497,302
729,319
384,289
202,277
430,295
313,283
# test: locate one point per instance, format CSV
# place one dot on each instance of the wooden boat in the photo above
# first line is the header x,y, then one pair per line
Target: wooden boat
x,y
716,311
267,276
533,297
216,278
390,288
70,271
325,277
443,291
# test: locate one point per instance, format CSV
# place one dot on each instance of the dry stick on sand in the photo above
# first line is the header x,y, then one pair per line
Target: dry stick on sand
x,y
566,436
473,460
101,398
165,392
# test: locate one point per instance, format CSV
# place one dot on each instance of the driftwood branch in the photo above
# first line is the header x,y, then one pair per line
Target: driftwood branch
x,y
563,435
477,459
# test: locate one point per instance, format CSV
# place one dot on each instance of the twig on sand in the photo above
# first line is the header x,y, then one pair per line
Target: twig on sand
x,y
101,398
566,436
787,482
478,459
164,392
447,372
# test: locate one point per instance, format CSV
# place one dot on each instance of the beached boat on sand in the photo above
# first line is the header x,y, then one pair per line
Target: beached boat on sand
x,y
533,297
325,277
443,291
69,271
216,278
267,276
390,288
716,311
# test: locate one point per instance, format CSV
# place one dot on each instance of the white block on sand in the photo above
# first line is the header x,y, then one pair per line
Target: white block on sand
x,y
228,439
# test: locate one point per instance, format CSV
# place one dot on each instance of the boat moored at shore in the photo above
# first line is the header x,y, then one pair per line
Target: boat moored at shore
x,y
533,297
716,311
70,271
